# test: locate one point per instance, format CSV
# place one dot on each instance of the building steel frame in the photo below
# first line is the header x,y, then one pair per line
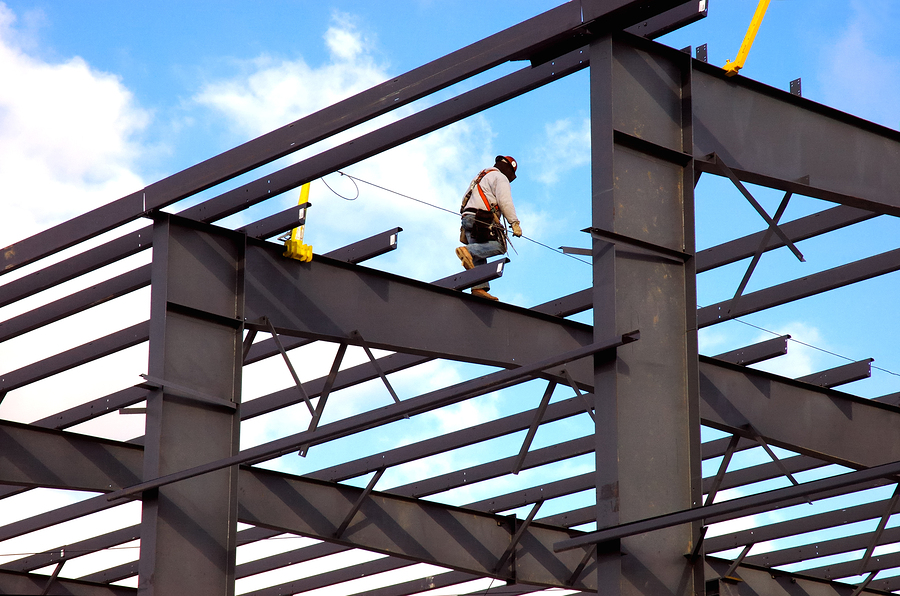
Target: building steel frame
x,y
659,120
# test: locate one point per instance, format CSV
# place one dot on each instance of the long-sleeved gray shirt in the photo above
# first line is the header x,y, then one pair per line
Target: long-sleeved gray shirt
x,y
496,190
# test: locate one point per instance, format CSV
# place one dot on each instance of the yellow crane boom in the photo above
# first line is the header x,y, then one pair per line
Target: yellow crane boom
x,y
732,68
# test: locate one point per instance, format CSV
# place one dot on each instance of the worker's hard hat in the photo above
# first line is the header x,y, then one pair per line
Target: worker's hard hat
x,y
507,159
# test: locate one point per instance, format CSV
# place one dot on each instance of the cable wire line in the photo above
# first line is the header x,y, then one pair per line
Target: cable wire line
x,y
443,209
356,179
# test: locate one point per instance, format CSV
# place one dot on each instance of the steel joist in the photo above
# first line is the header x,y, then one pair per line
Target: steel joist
x,y
659,119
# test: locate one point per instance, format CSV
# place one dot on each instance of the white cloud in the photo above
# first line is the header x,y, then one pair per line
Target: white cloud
x,y
433,169
270,93
801,359
567,145
68,138
344,39
859,76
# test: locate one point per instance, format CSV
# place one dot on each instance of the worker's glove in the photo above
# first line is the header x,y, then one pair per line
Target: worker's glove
x,y
517,229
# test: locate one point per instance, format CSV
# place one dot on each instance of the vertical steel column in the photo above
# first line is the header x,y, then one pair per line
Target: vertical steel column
x,y
647,404
188,528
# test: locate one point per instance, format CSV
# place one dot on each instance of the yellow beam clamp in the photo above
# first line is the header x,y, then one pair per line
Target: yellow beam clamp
x,y
293,246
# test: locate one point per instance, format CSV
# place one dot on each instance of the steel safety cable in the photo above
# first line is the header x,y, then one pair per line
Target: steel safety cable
x,y
890,372
356,179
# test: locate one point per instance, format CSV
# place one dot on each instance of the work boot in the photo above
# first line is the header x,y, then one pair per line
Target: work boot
x,y
483,293
463,253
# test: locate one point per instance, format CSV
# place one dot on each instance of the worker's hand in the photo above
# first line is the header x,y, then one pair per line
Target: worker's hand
x,y
517,229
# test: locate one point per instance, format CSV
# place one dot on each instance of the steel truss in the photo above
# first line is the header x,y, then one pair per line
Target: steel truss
x,y
659,121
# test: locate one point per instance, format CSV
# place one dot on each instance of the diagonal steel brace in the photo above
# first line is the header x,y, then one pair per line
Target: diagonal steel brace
x,y
881,525
740,186
323,397
587,405
290,366
52,578
349,517
759,251
723,467
518,536
762,443
532,430
355,335
734,564
864,584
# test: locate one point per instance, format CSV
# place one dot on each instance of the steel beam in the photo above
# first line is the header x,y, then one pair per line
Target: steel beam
x,y
88,352
290,218
448,442
829,154
809,285
765,350
249,194
760,580
736,508
330,300
766,471
472,277
802,525
859,430
35,457
672,19
74,303
188,530
367,248
390,413
567,305
451,537
803,228
520,41
329,121
642,189
13,582
840,375
821,548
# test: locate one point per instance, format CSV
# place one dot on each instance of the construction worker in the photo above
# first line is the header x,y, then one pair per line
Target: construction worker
x,y
487,199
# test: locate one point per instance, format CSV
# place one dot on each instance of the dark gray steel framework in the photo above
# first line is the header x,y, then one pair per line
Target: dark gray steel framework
x,y
659,120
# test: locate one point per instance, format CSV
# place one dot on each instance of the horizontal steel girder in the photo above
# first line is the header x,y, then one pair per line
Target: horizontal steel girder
x,y
536,35
759,580
796,230
330,300
821,423
457,538
810,285
766,135
12,582
409,528
37,457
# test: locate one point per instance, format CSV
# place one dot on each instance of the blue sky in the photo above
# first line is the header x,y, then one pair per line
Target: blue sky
x,y
101,98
